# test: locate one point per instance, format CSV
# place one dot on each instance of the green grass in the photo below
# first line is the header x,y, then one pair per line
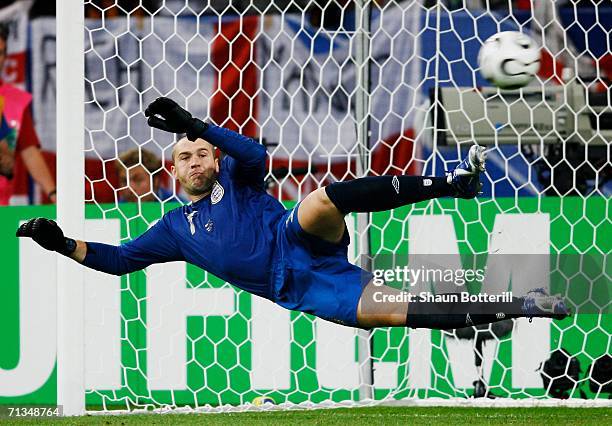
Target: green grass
x,y
357,416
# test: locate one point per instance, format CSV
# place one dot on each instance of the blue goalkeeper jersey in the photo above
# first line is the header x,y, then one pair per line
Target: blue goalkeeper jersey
x,y
230,233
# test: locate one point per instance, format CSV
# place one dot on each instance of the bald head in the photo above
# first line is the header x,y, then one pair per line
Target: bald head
x,y
185,145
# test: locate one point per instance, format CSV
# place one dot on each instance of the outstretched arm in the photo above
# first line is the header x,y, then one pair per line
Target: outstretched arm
x,y
154,246
247,158
243,149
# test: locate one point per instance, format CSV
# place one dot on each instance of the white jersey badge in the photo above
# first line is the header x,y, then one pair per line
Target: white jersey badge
x,y
217,193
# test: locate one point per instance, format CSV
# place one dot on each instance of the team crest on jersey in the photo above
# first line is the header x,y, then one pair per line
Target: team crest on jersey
x,y
217,193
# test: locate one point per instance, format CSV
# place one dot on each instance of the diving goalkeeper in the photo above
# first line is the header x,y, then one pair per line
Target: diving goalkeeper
x,y
297,258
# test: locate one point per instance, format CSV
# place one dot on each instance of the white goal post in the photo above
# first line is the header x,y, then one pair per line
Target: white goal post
x,y
70,204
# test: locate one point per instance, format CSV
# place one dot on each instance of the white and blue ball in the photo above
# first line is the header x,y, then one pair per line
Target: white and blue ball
x,y
509,60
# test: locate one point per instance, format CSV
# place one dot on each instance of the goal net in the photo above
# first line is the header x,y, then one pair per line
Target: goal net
x,y
339,90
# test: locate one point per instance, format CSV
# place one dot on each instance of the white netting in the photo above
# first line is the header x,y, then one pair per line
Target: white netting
x,y
285,72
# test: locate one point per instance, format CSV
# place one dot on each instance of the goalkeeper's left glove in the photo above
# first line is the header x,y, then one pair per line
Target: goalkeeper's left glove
x,y
167,115
48,235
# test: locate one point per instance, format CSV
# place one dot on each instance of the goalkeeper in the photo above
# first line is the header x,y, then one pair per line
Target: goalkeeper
x,y
296,258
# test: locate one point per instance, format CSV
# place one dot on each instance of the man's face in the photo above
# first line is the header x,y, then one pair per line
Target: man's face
x,y
195,166
138,184
2,54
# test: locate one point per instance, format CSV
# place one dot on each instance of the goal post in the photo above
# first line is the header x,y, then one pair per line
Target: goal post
x,y
336,91
362,117
70,204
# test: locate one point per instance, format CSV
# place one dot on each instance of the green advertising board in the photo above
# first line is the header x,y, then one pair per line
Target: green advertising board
x,y
219,360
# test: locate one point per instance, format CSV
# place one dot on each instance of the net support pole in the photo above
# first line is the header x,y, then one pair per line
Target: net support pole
x,y
362,54
70,204
437,106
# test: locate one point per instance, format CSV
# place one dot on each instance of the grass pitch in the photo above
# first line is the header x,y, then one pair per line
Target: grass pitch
x,y
356,416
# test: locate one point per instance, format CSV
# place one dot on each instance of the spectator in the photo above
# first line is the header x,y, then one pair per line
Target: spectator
x,y
140,175
18,114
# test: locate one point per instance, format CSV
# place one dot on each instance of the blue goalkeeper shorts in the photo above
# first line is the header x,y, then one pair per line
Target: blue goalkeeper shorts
x,y
314,276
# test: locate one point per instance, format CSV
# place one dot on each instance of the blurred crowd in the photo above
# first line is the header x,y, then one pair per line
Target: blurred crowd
x,y
140,174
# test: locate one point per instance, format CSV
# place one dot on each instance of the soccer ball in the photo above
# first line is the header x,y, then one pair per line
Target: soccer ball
x,y
509,60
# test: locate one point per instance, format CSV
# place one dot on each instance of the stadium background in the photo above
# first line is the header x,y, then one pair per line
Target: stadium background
x,y
32,66
220,354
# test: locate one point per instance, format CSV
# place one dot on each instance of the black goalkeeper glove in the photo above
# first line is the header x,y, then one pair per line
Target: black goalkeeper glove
x,y
167,115
48,235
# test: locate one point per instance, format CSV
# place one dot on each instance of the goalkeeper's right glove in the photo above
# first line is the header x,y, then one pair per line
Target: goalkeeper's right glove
x,y
48,235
